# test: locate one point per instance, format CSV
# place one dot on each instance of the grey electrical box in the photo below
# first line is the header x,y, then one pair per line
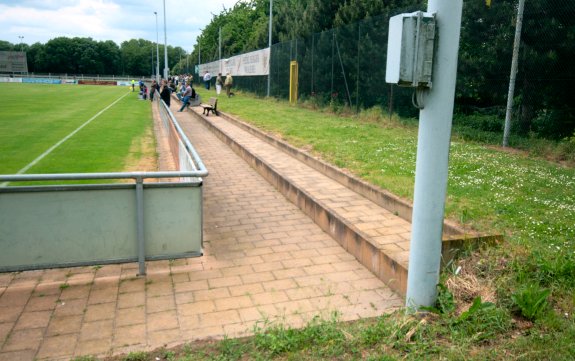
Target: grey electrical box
x,y
410,49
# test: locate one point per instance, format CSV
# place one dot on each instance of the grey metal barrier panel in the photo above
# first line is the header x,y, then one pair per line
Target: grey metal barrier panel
x,y
58,226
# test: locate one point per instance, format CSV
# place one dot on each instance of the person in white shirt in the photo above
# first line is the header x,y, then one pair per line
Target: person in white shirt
x,y
207,79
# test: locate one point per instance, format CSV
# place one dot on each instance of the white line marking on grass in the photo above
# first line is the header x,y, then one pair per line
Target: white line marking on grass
x,y
31,164
68,136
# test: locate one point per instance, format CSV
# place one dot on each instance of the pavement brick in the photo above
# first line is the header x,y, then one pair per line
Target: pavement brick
x,y
230,303
75,291
101,311
11,314
70,307
46,289
16,296
289,273
211,294
43,303
25,339
97,330
103,295
17,355
132,284
269,298
160,303
129,335
268,266
164,320
164,338
256,313
131,299
191,286
36,319
246,290
225,282
130,316
5,329
97,347
219,318
279,285
64,325
257,277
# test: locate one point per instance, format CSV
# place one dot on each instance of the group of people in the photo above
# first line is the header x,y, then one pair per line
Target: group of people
x,y
220,83
163,89
182,86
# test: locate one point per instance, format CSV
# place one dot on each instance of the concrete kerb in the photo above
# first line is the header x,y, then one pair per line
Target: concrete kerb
x,y
390,270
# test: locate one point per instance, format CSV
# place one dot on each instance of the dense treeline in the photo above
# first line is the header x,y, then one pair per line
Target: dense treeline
x,y
86,56
544,103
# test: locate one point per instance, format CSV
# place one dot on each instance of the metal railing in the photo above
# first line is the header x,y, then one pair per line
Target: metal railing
x,y
16,227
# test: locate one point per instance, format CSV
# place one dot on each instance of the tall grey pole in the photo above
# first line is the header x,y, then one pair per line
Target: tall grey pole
x,y
157,50
270,47
165,45
513,76
432,159
220,49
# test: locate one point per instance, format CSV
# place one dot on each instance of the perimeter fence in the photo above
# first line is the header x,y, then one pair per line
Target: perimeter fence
x,y
345,67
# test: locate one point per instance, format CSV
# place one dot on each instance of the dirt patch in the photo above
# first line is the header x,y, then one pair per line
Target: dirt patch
x,y
151,152
142,156
466,286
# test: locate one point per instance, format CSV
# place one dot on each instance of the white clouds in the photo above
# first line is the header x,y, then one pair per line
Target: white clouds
x,y
117,20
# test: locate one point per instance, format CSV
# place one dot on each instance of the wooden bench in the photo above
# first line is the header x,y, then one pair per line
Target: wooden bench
x,y
211,106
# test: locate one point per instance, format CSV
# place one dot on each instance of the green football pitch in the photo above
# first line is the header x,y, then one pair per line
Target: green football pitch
x,y
70,128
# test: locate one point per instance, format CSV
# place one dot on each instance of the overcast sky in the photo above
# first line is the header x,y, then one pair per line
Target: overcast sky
x,y
116,20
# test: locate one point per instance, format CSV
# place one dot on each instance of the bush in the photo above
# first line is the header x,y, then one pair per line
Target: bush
x,y
482,122
566,149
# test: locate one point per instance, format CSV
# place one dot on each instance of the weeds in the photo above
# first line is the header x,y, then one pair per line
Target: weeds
x,y
531,301
136,356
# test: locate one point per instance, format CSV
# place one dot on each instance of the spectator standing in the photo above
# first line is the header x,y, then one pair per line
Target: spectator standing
x,y
165,92
228,84
153,89
207,79
219,83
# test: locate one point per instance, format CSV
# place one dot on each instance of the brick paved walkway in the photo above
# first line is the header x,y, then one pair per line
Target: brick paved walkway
x,y
264,260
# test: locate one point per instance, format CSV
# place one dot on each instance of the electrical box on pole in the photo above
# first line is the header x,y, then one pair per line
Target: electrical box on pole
x,y
410,48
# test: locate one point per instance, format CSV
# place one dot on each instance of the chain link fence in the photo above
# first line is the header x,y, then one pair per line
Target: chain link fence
x,y
346,67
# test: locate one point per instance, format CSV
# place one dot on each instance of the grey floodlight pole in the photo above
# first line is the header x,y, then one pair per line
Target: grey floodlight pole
x,y
270,46
220,50
165,45
512,77
157,50
431,168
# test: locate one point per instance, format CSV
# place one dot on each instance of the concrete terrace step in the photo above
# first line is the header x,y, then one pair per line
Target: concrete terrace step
x,y
371,224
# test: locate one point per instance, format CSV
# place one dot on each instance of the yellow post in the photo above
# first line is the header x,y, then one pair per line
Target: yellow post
x,y
293,76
